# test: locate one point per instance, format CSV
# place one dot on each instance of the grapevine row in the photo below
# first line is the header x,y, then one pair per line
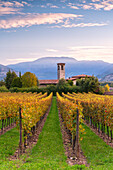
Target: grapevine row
x,y
32,107
68,111
97,110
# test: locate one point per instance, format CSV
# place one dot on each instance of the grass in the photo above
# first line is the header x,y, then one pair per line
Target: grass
x,y
8,143
99,155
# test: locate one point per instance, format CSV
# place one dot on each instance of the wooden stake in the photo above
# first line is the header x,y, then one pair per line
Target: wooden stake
x,y
20,143
77,135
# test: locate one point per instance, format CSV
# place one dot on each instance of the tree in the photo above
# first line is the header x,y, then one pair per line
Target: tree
x,y
61,82
9,78
89,84
70,82
29,80
107,88
62,86
2,83
17,82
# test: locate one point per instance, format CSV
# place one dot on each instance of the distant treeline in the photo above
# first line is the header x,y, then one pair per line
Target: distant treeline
x,y
29,83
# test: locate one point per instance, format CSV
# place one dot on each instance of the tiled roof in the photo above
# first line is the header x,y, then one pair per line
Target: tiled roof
x,y
81,76
48,81
71,78
60,63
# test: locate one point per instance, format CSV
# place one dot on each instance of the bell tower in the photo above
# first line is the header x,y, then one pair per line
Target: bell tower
x,y
60,70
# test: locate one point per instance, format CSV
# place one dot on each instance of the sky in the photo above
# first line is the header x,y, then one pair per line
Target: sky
x,y
31,29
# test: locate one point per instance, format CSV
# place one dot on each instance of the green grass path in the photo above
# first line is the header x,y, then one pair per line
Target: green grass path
x,y
99,155
8,143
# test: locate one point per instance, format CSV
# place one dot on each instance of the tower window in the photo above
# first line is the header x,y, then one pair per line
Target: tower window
x,y
58,67
62,67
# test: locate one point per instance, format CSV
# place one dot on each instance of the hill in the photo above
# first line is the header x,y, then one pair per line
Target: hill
x,y
46,68
107,75
3,71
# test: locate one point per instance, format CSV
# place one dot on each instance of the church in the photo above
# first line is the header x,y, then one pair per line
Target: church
x,y
60,75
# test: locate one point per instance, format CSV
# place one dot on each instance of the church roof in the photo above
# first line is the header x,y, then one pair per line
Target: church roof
x,y
81,76
41,82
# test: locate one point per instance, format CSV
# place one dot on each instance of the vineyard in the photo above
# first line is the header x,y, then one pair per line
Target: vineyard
x,y
25,111
97,110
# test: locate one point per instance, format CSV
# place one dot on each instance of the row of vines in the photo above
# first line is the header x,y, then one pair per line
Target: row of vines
x,y
97,110
26,110
71,114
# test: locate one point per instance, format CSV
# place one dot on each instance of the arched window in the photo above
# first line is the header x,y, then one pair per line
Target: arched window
x,y
62,67
58,67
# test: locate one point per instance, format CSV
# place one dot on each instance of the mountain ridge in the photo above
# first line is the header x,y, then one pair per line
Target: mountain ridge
x,y
3,71
46,67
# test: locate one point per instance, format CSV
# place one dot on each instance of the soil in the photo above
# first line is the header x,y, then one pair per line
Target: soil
x,y
101,135
70,153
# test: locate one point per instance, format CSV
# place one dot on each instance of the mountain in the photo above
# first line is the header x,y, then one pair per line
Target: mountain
x,y
3,71
107,74
108,77
46,68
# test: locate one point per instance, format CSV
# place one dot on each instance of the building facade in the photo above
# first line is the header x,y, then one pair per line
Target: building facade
x,y
60,70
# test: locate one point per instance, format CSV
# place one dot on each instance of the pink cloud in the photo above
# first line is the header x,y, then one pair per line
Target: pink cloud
x,y
74,7
87,6
36,19
7,10
11,7
82,25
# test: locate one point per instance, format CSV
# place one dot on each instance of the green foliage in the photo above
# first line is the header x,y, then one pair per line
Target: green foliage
x,y
89,84
3,89
48,89
29,80
62,82
51,88
70,82
2,83
109,83
101,90
17,82
9,78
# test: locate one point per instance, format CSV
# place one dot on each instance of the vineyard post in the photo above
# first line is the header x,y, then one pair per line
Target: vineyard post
x,y
2,125
20,143
77,135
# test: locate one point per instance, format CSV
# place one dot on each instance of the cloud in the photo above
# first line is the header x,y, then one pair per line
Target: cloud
x,y
54,6
16,60
106,5
80,25
36,19
87,6
87,47
104,53
7,10
51,50
11,7
49,5
74,7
